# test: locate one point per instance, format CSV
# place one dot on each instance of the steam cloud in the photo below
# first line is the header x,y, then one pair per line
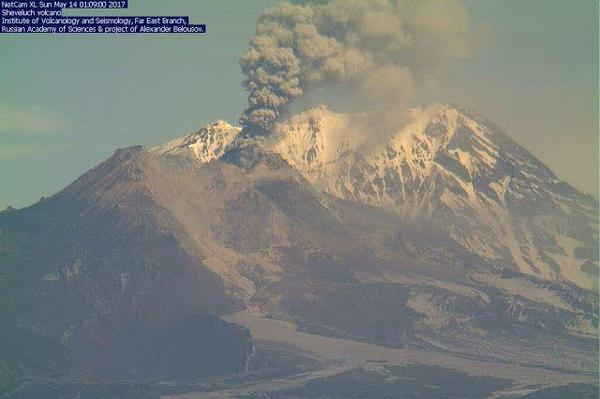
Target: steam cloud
x,y
385,51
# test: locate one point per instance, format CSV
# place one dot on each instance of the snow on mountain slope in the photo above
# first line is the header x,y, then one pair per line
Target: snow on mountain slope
x,y
447,166
206,144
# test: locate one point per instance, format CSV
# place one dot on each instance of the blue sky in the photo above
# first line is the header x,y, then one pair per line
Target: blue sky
x,y
67,102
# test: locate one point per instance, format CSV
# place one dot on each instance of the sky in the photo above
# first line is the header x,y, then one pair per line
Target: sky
x,y
68,102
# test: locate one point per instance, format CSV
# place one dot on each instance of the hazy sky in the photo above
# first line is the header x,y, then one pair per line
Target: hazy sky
x,y
67,102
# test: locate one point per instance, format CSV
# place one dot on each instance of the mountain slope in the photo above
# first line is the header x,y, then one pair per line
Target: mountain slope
x,y
97,282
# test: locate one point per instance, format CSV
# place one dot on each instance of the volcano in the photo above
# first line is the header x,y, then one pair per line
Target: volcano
x,y
443,238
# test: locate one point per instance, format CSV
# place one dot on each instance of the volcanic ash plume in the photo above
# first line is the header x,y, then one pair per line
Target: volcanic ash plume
x,y
386,52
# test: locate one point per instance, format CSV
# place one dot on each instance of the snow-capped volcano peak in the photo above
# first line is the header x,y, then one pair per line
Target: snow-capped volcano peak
x,y
204,145
451,167
319,137
442,164
329,148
